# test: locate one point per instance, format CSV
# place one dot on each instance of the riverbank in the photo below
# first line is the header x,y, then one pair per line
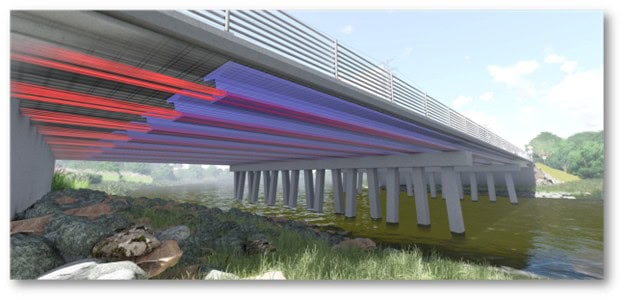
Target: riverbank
x,y
172,240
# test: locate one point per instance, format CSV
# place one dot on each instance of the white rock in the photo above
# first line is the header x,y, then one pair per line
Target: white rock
x,y
218,275
91,270
272,275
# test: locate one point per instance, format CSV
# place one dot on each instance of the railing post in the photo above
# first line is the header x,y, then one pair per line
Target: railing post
x,y
226,23
426,106
391,86
336,59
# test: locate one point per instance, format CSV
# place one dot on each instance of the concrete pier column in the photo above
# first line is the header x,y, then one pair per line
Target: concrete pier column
x,y
432,185
453,207
339,206
319,190
360,181
272,188
250,179
460,186
373,193
408,184
490,184
235,185
241,186
420,196
392,195
285,186
266,176
255,187
294,189
474,192
308,180
511,189
350,191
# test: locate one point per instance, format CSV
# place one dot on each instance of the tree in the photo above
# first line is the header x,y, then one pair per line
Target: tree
x,y
162,172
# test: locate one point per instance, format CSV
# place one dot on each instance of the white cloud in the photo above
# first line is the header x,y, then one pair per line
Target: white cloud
x,y
487,96
348,29
461,101
580,97
529,109
514,74
565,65
554,59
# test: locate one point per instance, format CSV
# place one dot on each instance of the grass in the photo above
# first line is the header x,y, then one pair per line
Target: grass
x,y
65,180
557,174
126,176
304,257
581,189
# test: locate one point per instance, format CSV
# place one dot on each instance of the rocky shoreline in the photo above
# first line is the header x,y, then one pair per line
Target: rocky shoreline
x,y
86,234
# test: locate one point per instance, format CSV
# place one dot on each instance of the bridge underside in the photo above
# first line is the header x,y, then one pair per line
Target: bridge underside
x,y
97,88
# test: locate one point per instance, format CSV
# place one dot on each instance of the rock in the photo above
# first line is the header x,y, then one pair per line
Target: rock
x,y
218,275
130,243
113,222
91,212
73,236
177,233
32,256
357,243
34,225
272,275
162,258
260,246
66,200
91,270
42,208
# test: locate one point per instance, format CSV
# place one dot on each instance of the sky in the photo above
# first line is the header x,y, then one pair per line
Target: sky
x,y
517,72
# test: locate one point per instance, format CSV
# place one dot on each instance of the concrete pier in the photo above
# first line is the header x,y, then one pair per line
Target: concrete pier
x,y
308,180
339,205
432,185
511,189
285,186
272,188
350,191
392,195
294,189
453,207
408,184
250,176
420,197
474,191
360,181
373,193
319,190
266,176
490,185
241,186
255,187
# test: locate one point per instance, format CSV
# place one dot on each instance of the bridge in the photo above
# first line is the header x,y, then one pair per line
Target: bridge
x,y
259,91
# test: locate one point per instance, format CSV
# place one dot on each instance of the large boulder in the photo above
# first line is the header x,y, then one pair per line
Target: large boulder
x,y
34,225
357,243
74,237
32,256
91,270
177,233
127,244
162,258
92,211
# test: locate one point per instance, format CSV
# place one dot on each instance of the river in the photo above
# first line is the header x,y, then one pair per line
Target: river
x,y
555,238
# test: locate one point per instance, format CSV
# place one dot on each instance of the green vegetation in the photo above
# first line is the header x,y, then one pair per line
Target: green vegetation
x,y
303,257
557,174
65,180
581,154
581,189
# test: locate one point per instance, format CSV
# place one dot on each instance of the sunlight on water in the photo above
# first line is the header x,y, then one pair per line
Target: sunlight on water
x,y
556,238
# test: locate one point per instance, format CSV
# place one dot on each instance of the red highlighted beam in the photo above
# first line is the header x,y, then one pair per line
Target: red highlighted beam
x,y
86,134
50,95
108,76
73,119
81,59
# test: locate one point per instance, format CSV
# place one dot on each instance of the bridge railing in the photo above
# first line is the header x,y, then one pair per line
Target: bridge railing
x,y
291,38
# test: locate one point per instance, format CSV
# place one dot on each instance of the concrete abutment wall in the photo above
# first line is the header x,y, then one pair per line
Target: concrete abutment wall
x,y
32,163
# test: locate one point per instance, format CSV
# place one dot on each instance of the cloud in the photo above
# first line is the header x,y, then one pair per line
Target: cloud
x,y
348,29
514,74
487,96
461,101
565,65
529,109
580,97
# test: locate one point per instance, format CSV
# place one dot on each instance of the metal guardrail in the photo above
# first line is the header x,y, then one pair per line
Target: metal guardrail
x,y
291,38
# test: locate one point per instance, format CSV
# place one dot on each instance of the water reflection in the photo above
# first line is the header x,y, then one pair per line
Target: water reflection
x,y
557,238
